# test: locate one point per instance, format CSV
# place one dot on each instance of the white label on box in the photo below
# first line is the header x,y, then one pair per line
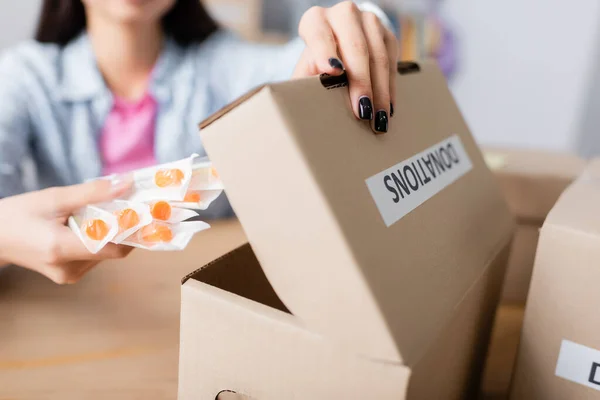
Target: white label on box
x,y
578,363
400,189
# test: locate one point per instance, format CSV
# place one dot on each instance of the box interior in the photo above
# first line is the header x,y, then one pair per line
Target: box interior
x,y
239,272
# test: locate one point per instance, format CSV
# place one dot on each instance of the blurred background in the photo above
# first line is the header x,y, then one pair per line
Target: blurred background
x,y
525,74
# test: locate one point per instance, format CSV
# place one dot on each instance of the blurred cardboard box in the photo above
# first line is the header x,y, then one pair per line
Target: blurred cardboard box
x,y
241,16
531,181
271,38
502,352
232,396
244,17
375,262
559,354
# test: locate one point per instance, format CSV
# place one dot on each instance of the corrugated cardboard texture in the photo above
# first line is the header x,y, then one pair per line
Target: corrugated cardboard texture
x,y
294,160
247,282
564,296
520,264
532,181
230,342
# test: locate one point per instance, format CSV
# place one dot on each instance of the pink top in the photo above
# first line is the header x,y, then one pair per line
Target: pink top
x,y
127,138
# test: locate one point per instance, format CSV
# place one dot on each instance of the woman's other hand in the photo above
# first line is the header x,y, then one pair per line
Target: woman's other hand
x,y
345,37
33,233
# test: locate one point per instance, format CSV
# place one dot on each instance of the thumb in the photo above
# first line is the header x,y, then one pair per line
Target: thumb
x,y
66,200
306,66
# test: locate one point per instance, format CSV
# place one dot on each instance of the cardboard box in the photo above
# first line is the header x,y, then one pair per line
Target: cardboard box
x,y
559,354
502,353
520,265
376,261
241,16
232,396
531,181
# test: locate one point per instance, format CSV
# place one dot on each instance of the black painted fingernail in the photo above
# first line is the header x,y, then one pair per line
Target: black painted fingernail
x,y
391,110
336,63
365,108
381,121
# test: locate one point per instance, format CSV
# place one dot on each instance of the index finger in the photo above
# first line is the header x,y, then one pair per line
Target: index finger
x,y
392,47
320,41
346,23
65,200
70,248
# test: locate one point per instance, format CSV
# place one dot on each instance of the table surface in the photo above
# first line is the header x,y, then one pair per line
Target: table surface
x,y
114,335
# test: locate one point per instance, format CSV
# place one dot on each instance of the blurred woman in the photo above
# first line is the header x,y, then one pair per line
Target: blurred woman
x,y
113,85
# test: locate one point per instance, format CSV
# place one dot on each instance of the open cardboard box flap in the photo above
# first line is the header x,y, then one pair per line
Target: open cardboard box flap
x,y
371,240
238,336
532,181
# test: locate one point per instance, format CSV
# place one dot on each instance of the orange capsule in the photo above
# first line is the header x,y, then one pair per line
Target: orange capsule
x,y
128,218
96,229
192,197
161,210
168,177
214,172
154,233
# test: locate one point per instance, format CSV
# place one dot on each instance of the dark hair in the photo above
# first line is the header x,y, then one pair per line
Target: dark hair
x,y
62,20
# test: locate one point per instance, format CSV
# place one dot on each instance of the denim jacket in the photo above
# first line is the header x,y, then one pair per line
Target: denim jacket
x,y
53,102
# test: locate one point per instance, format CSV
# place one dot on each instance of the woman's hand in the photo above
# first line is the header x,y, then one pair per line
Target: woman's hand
x,y
344,37
33,233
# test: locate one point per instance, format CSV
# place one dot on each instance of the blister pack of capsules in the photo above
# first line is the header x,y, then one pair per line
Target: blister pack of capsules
x,y
154,215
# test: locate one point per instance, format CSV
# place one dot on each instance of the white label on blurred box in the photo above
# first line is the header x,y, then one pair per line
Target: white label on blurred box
x,y
400,189
578,363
